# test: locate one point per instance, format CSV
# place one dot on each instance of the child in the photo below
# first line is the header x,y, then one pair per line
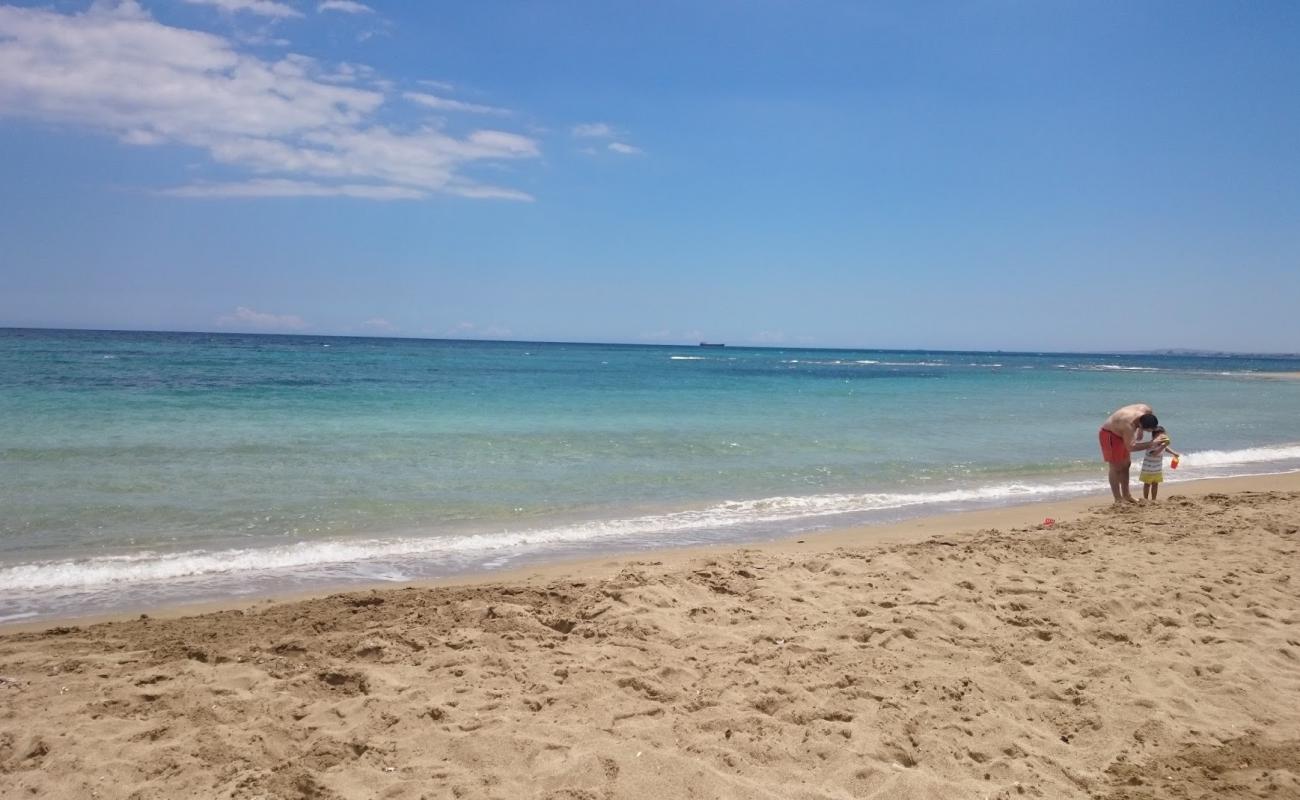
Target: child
x,y
1152,473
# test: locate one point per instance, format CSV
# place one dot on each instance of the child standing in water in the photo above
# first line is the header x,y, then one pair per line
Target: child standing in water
x,y
1153,465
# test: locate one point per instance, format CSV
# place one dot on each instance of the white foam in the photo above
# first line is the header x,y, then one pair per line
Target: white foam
x,y
686,358
1249,455
154,567
834,363
867,361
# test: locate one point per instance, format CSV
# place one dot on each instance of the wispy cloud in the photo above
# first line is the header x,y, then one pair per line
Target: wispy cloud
x,y
289,121
493,193
247,319
445,104
442,86
262,39
603,130
345,6
262,8
346,72
593,130
274,187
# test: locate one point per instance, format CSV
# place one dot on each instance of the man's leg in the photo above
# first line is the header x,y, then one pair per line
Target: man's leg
x,y
1114,476
1124,480
1119,483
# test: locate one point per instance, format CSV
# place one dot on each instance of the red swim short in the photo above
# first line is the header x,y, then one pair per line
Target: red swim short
x,y
1113,448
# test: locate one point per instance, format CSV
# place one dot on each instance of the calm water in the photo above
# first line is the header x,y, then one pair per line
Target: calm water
x,y
148,468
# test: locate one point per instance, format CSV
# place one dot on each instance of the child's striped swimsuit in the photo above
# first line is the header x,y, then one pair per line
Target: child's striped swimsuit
x,y
1153,464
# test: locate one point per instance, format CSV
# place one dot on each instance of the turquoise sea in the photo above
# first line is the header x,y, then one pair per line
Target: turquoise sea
x,y
142,469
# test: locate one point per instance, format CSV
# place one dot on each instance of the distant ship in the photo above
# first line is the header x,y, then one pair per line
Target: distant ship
x,y
712,344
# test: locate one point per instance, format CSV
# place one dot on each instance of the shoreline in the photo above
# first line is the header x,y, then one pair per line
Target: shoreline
x,y
1118,654
910,530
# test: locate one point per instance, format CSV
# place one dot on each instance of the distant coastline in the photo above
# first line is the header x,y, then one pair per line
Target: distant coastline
x,y
1192,353
1176,352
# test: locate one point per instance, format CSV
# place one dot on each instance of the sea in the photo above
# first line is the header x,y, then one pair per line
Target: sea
x,y
145,470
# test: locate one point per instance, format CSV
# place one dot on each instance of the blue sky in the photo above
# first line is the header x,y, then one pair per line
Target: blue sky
x,y
981,175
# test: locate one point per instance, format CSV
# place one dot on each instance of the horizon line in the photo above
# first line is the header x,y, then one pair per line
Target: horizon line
x,y
1167,351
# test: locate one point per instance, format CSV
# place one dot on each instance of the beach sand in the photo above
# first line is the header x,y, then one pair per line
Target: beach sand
x,y
1143,652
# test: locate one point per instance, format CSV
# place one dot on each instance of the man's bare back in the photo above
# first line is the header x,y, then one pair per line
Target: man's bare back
x,y
1124,422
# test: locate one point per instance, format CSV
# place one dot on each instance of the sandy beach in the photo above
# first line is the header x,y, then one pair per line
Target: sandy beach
x,y
1141,652
649,401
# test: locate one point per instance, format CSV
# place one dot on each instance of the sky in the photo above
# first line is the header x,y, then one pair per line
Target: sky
x,y
933,175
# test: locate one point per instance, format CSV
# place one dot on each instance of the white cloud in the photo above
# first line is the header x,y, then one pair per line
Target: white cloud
x,y
345,6
273,187
444,104
479,192
262,39
346,72
442,86
247,318
593,130
379,324
288,121
262,8
603,130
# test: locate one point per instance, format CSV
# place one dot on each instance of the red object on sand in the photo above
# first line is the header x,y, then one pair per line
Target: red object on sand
x,y
1049,522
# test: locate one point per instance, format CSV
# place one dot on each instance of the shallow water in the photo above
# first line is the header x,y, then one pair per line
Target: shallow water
x,y
145,468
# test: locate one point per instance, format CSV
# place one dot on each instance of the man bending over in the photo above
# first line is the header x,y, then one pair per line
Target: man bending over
x,y
1119,434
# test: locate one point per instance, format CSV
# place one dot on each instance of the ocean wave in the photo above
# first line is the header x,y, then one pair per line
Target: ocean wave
x,y
354,555
833,363
155,567
1107,368
687,358
1249,455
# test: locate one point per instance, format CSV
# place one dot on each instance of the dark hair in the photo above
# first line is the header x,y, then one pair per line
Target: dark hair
x,y
1148,421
